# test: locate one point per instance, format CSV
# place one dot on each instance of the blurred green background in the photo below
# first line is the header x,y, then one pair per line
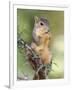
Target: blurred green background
x,y
25,23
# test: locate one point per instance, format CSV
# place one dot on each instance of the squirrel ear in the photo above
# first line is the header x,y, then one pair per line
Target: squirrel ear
x,y
36,19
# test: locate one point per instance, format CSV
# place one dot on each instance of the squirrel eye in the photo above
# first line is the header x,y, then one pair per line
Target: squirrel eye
x,y
41,24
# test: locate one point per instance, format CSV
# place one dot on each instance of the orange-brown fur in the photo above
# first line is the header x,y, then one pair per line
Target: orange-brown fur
x,y
42,48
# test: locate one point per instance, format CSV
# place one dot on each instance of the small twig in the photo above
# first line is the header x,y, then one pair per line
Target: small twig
x,y
55,64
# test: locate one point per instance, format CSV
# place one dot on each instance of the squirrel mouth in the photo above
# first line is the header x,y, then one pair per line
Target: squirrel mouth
x,y
47,32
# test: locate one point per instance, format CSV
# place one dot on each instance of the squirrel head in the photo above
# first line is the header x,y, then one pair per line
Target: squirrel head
x,y
41,26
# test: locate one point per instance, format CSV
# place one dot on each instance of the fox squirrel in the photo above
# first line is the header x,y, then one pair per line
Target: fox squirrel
x,y
41,36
